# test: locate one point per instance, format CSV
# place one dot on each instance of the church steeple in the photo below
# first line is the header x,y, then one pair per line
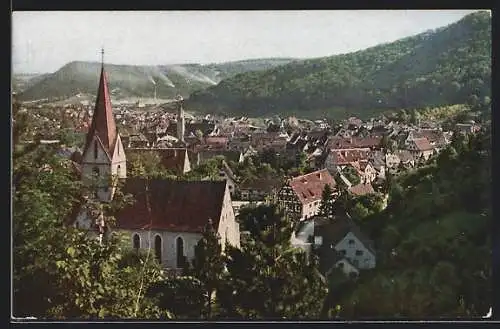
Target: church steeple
x,y
103,154
103,123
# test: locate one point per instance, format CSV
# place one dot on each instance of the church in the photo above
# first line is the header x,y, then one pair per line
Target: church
x,y
168,216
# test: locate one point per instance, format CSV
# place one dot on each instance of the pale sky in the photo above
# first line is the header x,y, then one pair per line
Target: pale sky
x,y
44,41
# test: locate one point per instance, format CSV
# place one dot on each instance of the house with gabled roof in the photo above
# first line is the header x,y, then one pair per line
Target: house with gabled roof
x,y
301,196
340,158
338,242
420,147
364,170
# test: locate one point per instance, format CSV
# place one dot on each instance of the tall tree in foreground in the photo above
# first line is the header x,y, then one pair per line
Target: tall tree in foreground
x,y
208,266
326,207
268,278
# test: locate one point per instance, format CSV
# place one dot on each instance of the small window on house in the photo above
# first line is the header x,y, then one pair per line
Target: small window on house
x,y
95,171
359,252
158,247
118,170
351,241
340,265
136,241
180,252
95,150
318,240
77,224
353,275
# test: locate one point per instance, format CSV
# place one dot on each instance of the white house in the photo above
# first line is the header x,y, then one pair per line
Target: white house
x,y
338,242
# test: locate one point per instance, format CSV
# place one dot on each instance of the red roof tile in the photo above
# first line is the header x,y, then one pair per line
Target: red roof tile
x,y
346,156
309,187
180,206
337,142
362,189
423,144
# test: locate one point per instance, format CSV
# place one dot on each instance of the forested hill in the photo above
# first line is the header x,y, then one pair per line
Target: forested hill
x,y
449,65
135,80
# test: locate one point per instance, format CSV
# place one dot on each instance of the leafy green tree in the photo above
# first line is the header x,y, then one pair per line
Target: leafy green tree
x,y
147,165
80,277
326,207
262,219
434,251
351,174
182,296
208,169
269,279
208,267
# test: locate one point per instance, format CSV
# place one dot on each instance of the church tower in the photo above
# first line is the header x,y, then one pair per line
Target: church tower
x,y
181,123
103,157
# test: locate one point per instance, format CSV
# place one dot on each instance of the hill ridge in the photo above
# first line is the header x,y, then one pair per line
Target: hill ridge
x,y
447,65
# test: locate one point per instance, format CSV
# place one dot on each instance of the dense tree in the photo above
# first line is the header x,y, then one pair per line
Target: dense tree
x,y
208,267
352,175
326,207
209,169
434,246
147,165
77,277
268,278
182,296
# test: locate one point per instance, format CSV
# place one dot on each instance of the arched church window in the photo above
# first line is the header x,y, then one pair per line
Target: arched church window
x,y
158,248
95,171
180,252
136,242
118,170
95,150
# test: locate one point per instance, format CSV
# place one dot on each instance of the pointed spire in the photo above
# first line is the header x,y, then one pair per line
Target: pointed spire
x,y
103,122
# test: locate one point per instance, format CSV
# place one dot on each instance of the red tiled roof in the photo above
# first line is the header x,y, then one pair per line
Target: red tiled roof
x,y
432,135
309,187
103,123
222,140
179,206
362,189
337,142
346,156
422,144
